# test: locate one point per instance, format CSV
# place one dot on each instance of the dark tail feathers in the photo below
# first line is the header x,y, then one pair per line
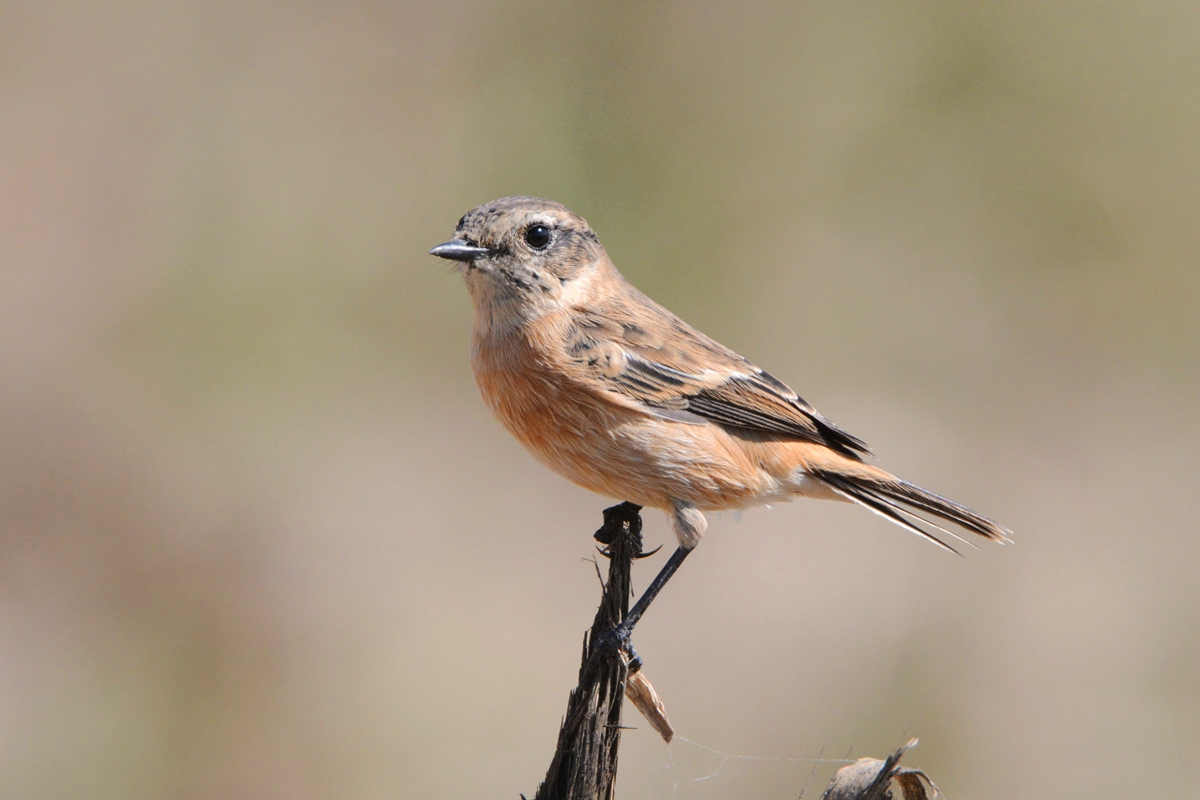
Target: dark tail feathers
x,y
900,502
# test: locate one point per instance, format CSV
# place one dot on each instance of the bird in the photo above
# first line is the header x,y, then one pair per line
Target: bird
x,y
620,396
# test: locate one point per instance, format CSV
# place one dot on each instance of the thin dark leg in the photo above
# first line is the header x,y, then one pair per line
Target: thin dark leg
x,y
618,638
656,585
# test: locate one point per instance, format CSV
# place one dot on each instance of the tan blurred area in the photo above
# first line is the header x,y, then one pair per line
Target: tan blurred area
x,y
260,539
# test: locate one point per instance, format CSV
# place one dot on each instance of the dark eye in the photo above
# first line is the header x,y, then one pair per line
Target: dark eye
x,y
537,237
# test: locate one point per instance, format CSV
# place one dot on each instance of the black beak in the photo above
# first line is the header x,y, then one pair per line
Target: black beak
x,y
458,250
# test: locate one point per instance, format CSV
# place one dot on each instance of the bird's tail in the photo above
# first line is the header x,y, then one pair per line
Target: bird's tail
x,y
906,504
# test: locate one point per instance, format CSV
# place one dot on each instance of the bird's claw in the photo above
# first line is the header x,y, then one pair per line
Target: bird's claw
x,y
647,555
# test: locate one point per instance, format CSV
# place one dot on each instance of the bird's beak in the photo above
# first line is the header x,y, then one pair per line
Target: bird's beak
x,y
458,250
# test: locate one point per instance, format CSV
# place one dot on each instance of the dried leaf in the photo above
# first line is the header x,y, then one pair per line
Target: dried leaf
x,y
641,693
871,779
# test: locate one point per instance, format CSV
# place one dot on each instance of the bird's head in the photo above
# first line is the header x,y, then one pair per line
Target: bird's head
x,y
523,253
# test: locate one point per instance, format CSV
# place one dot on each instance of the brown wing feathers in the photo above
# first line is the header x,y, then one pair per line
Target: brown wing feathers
x,y
754,402
680,369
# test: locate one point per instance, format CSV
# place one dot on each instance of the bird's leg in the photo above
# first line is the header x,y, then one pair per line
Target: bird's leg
x,y
621,636
656,585
689,525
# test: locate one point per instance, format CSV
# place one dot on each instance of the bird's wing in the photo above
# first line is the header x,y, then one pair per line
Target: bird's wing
x,y
638,349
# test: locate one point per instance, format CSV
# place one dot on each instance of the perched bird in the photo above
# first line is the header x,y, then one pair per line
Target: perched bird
x,y
619,395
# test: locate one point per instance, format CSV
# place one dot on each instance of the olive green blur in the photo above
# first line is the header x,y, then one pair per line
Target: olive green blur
x,y
259,538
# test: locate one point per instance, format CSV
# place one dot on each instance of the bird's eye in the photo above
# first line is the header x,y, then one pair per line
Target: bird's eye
x,y
537,237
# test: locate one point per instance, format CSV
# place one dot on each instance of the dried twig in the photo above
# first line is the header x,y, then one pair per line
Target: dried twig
x,y
585,763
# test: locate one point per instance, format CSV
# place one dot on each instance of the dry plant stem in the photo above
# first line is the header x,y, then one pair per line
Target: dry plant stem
x,y
585,762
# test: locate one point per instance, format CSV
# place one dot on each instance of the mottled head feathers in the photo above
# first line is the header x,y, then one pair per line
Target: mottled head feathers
x,y
534,247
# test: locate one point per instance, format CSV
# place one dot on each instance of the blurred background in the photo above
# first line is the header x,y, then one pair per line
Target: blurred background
x,y
260,538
